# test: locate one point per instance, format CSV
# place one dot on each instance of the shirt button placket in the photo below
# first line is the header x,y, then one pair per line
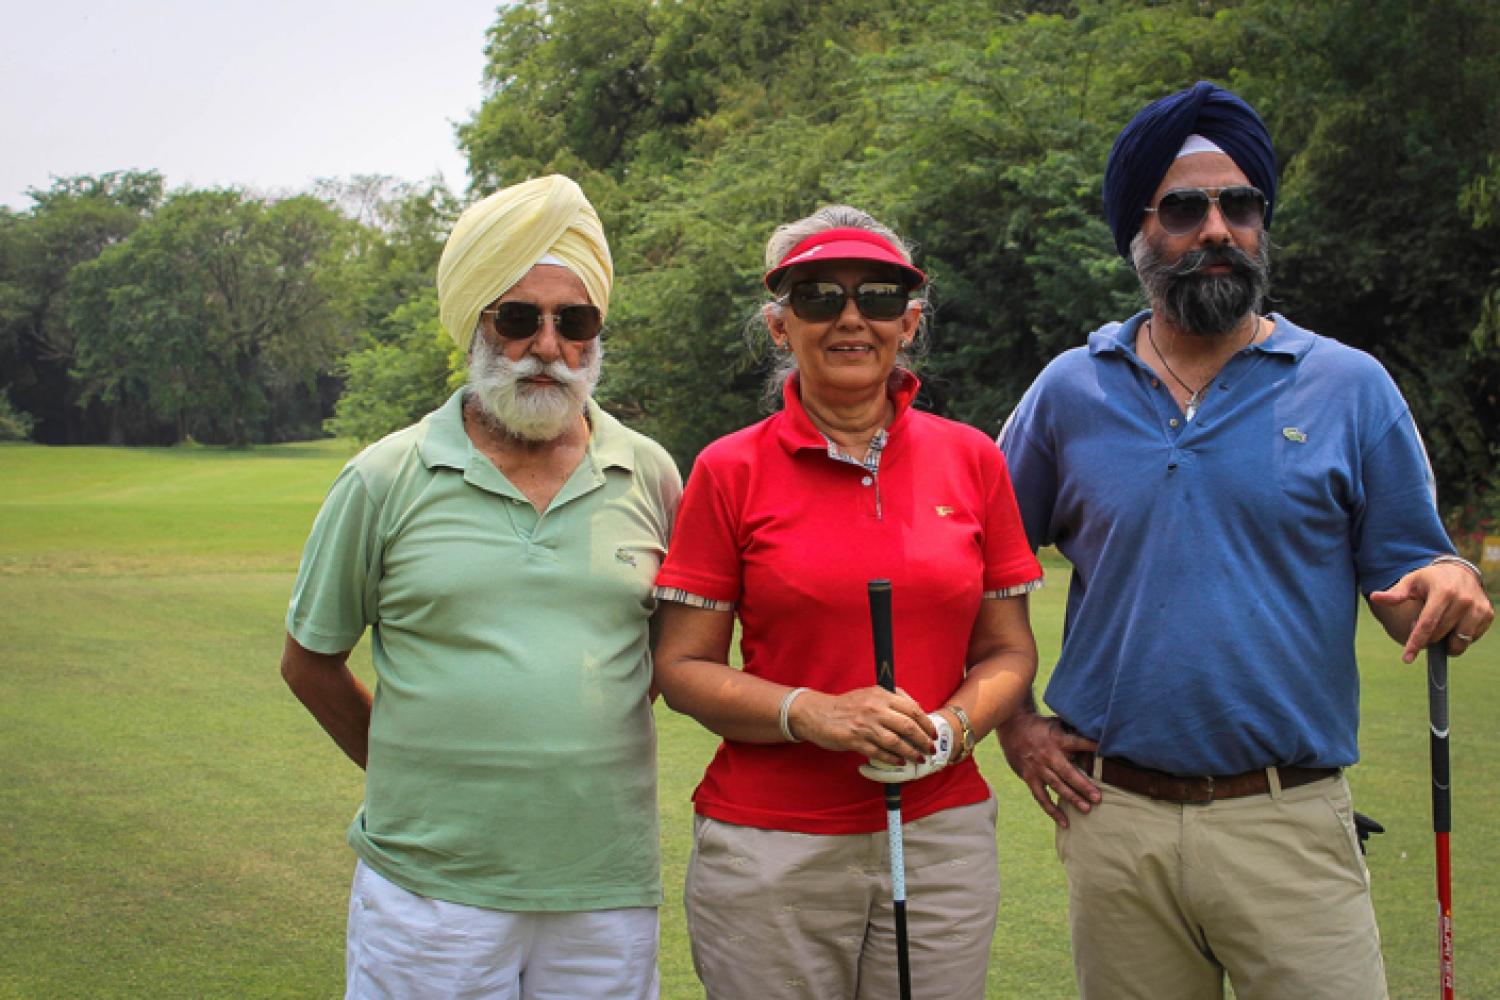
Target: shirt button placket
x,y
869,500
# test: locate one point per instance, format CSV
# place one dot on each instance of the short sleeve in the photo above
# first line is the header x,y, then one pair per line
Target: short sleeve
x,y
1008,560
1399,529
669,495
705,557
1032,468
335,596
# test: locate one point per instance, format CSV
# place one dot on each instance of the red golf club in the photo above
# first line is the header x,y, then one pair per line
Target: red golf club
x,y
1442,811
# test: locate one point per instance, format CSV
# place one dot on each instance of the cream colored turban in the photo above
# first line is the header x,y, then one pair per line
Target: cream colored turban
x,y
497,240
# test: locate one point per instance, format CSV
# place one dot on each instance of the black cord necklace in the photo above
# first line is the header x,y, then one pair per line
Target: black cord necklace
x,y
1195,396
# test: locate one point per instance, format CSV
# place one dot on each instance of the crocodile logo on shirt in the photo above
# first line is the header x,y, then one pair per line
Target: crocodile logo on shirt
x,y
943,511
625,557
1294,435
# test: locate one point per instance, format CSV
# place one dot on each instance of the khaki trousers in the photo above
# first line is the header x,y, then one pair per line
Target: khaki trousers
x,y
1165,899
773,914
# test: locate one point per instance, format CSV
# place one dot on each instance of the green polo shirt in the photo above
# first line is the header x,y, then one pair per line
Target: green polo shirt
x,y
512,751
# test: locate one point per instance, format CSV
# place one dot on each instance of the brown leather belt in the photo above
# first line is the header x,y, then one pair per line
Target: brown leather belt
x,y
1178,788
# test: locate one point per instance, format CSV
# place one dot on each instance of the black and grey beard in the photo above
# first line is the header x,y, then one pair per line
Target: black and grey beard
x,y
1208,305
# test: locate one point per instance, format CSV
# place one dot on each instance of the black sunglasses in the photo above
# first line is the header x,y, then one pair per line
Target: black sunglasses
x,y
821,301
519,320
1183,210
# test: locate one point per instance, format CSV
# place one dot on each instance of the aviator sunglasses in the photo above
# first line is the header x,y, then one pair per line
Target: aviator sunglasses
x,y
519,320
1183,210
821,301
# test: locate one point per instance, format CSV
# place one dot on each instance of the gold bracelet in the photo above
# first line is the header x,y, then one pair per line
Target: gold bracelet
x,y
966,743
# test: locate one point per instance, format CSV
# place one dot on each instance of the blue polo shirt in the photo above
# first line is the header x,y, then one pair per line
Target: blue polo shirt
x,y
1218,563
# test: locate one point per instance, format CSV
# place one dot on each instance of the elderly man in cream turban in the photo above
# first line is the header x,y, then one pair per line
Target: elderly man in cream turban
x,y
502,552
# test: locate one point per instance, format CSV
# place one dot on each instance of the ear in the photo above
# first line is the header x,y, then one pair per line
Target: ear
x,y
771,312
910,320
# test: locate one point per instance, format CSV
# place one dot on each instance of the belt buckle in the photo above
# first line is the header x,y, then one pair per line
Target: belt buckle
x,y
1206,782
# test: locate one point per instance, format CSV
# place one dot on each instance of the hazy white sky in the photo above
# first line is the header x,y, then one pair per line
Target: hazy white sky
x,y
268,94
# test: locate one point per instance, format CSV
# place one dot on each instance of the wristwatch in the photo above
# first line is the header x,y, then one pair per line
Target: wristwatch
x,y
966,739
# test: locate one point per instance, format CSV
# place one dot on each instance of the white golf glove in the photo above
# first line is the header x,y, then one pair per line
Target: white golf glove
x,y
894,774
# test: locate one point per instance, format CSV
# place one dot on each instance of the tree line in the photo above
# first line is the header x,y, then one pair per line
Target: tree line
x,y
134,315
978,130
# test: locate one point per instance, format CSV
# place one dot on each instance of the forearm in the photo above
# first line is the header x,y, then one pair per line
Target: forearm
x,y
1002,666
995,690
695,678
332,694
729,702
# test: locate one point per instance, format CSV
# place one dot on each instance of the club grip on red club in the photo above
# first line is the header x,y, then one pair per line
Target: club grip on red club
x,y
1437,716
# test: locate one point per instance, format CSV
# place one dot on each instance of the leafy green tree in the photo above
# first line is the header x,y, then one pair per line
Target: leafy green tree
x,y
401,364
402,228
1386,138
990,153
980,132
15,425
71,222
565,78
215,318
394,382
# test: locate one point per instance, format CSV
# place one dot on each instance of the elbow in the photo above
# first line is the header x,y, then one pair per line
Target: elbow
x,y
668,693
291,673
298,665
667,681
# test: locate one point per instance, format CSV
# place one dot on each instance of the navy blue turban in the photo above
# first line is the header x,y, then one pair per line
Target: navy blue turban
x,y
1144,151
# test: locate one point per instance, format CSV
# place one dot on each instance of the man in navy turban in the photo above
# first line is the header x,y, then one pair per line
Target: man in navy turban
x,y
1152,141
1225,483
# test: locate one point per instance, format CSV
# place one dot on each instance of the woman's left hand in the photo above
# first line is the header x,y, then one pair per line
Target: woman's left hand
x,y
884,726
939,759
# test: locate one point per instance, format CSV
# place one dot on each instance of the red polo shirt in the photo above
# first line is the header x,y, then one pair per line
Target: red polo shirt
x,y
792,536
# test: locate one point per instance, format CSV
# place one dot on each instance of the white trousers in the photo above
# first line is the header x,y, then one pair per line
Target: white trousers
x,y
401,946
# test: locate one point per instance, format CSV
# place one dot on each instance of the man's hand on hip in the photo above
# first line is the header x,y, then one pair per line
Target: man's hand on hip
x,y
1037,748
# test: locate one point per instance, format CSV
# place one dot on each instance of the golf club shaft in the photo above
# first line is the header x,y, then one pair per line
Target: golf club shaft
x,y
1442,806
885,676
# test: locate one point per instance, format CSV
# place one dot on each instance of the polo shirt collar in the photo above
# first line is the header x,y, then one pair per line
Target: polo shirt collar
x,y
1287,338
795,429
609,441
444,442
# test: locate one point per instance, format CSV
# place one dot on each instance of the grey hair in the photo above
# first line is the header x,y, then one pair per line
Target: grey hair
x,y
780,244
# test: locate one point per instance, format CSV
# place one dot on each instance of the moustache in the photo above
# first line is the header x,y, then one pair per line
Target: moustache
x,y
557,370
1194,262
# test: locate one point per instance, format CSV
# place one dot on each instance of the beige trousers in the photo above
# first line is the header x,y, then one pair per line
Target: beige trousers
x,y
1165,899
773,914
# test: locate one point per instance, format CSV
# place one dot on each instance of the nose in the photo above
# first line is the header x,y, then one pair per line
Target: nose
x,y
546,344
1215,228
850,315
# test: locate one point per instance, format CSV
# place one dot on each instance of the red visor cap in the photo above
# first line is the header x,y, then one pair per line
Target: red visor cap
x,y
844,244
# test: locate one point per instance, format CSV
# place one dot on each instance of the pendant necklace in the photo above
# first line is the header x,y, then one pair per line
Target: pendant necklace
x,y
1195,396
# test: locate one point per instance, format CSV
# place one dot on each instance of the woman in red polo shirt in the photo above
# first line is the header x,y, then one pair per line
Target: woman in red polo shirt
x,y
783,523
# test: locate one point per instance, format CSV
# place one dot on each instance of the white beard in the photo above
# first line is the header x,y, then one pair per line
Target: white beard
x,y
531,412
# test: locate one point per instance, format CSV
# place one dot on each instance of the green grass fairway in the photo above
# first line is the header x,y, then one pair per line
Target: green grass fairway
x,y
172,821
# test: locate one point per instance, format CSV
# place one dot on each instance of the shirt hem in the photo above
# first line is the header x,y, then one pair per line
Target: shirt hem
x,y
517,902
964,793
